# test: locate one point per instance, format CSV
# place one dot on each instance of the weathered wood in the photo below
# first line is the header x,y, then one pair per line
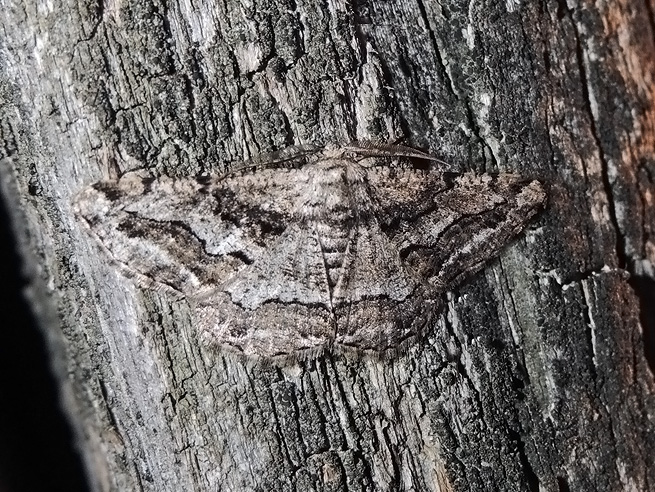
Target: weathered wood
x,y
535,377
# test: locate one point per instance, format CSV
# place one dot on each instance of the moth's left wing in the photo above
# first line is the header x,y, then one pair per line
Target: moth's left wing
x,y
278,306
190,234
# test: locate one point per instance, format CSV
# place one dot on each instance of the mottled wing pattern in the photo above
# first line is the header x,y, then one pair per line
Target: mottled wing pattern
x,y
447,226
278,305
418,233
279,261
377,302
232,245
190,234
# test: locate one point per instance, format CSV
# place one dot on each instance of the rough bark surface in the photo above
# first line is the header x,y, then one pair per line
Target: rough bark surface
x,y
536,377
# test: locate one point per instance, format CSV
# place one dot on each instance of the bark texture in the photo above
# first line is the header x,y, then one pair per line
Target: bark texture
x,y
536,377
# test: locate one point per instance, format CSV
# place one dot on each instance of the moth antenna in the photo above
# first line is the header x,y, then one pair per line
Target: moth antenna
x,y
273,159
366,148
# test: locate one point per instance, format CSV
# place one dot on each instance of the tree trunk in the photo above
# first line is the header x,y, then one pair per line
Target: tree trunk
x,y
536,376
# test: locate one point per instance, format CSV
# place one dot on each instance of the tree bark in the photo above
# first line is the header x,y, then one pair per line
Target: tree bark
x,y
535,377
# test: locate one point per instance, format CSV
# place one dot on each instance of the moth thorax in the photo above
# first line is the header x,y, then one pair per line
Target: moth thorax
x,y
329,199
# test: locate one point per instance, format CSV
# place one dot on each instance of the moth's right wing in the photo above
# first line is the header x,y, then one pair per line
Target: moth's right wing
x,y
447,226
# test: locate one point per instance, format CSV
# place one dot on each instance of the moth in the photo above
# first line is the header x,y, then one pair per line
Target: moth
x,y
327,249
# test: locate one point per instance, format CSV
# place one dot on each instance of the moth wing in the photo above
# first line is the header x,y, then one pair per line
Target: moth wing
x,y
448,226
189,234
277,306
292,271
272,330
375,301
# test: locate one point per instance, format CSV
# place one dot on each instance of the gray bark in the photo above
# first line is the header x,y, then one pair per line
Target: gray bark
x,y
534,378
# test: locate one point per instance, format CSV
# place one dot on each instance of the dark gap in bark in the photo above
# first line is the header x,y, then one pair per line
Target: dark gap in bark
x,y
644,288
36,443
